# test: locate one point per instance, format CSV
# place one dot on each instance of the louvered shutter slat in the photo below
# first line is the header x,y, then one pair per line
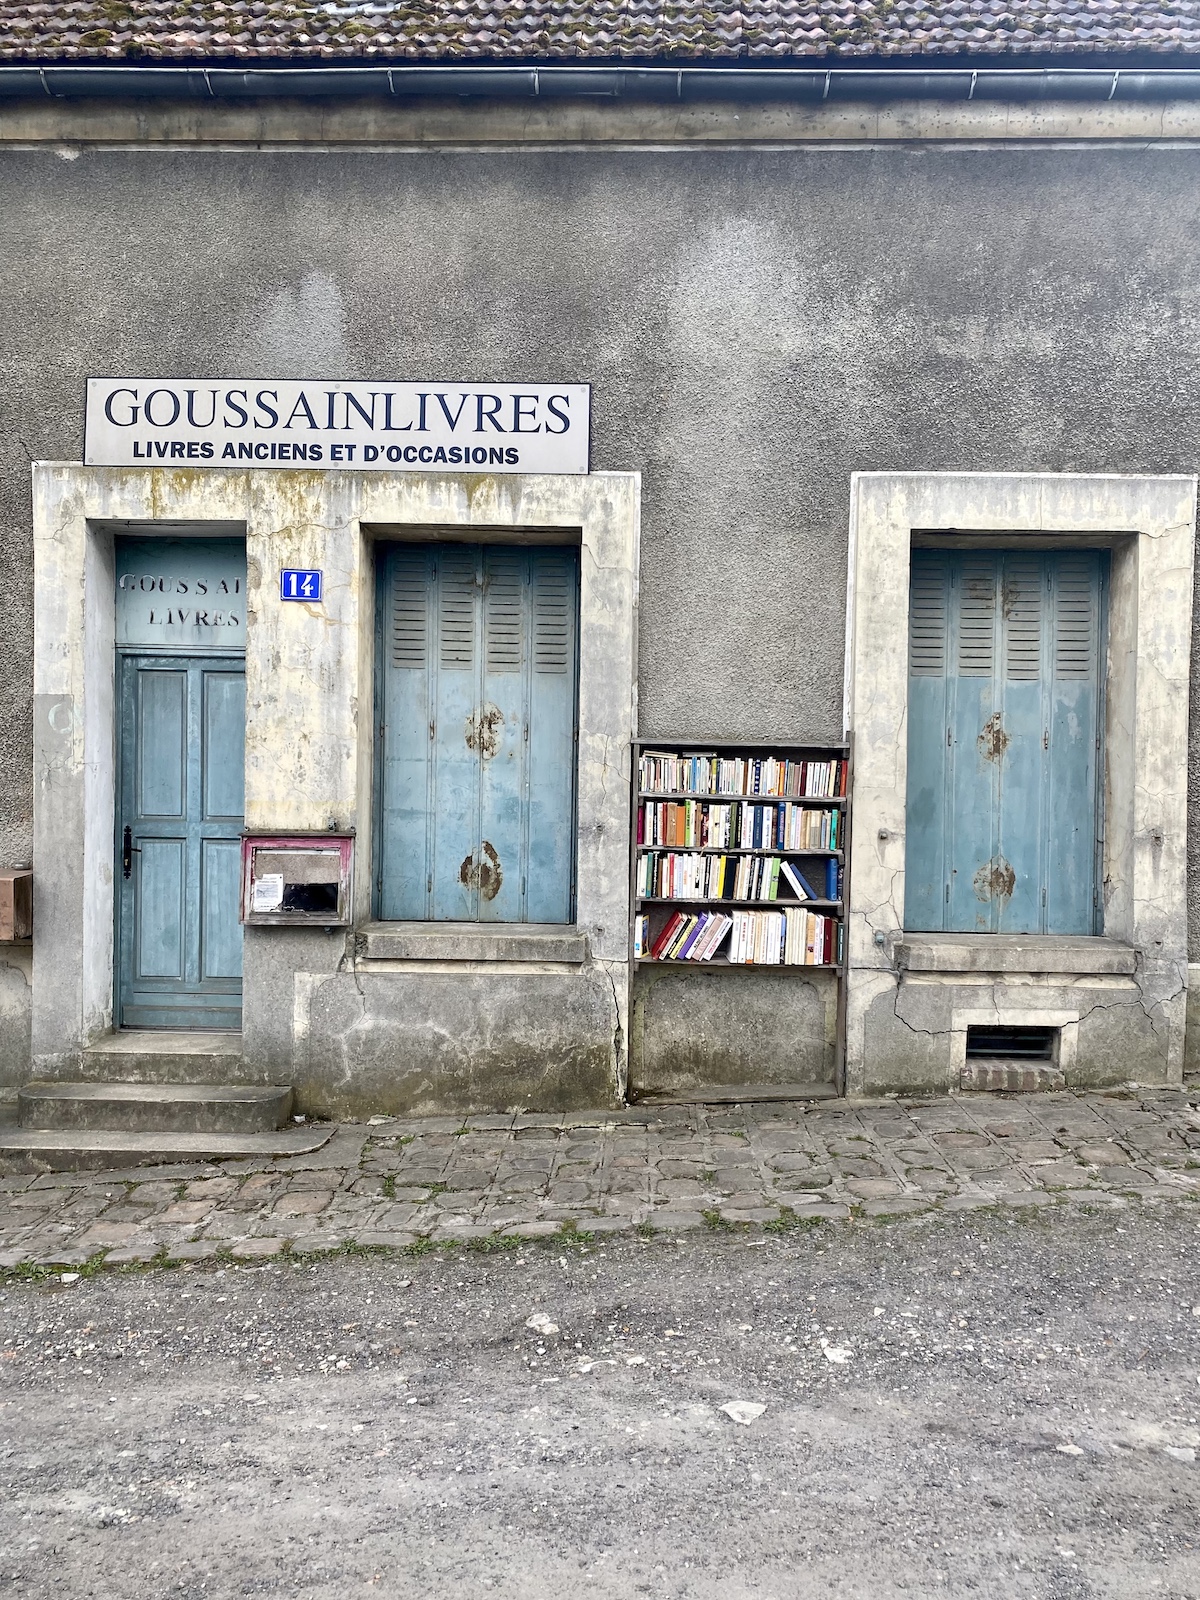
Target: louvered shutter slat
x,y
410,611
977,617
1075,619
1022,585
553,616
502,612
456,610
927,616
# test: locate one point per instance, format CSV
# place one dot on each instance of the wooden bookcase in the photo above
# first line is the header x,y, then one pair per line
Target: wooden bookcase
x,y
659,909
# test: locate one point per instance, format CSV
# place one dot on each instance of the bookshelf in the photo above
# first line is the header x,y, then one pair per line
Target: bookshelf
x,y
749,841
731,844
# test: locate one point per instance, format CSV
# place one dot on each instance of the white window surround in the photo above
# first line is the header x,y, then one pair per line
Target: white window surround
x,y
1149,524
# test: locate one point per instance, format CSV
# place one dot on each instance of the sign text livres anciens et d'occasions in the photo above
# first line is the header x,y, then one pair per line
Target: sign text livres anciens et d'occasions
x,y
405,427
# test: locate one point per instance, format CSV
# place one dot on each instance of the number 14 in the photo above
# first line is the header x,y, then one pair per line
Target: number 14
x,y
296,585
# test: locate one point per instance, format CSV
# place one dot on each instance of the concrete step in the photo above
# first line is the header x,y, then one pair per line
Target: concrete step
x,y
154,1107
67,1150
734,1094
145,1055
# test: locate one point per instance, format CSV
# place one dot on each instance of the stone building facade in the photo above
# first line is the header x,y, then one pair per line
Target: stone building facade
x,y
848,310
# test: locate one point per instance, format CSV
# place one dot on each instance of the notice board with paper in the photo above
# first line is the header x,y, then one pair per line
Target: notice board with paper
x,y
297,880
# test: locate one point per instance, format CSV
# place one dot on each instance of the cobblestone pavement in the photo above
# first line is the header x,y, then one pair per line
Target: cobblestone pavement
x,y
392,1183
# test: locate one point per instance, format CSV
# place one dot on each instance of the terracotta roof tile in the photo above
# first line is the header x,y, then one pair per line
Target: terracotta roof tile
x,y
611,30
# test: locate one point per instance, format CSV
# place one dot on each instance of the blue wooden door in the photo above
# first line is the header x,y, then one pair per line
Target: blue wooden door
x,y
1004,717
179,821
478,665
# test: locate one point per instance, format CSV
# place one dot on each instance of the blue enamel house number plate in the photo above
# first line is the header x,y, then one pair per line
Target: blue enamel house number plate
x,y
296,584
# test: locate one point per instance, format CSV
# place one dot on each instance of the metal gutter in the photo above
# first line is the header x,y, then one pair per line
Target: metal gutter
x,y
807,85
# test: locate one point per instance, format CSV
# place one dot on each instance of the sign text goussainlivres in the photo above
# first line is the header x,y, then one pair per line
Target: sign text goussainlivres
x,y
398,427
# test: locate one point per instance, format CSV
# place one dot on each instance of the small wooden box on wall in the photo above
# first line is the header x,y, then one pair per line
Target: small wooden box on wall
x,y
16,904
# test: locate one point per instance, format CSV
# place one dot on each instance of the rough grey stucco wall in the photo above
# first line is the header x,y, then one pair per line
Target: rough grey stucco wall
x,y
756,325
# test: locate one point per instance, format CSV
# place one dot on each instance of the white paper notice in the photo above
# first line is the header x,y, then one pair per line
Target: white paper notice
x,y
268,892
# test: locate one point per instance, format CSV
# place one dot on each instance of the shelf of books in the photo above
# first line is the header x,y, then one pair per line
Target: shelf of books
x,y
739,856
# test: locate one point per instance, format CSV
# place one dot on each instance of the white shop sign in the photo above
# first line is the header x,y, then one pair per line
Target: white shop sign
x,y
390,427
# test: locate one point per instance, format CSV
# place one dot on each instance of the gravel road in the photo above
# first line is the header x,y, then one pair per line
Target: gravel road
x,y
983,1404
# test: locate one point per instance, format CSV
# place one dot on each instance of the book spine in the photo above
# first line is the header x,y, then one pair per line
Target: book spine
x,y
666,936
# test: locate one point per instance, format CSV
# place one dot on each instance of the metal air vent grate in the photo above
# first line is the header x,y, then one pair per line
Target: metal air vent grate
x,y
1013,1043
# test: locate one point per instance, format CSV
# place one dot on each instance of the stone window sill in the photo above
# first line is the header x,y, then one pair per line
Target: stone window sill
x,y
472,941
1012,952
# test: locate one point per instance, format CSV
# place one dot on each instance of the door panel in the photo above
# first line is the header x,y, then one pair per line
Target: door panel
x,y
179,942
221,934
223,778
162,743
1004,717
477,694
161,908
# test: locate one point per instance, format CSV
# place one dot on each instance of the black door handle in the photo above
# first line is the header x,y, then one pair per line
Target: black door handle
x,y
128,849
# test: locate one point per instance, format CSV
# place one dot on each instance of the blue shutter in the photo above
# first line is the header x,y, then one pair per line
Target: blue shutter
x,y
1074,691
1003,739
928,766
554,590
478,648
453,875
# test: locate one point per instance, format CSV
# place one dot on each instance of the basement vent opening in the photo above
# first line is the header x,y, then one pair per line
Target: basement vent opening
x,y
1014,1044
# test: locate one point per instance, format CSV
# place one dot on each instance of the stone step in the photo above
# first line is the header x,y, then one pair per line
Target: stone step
x,y
734,1094
146,1055
67,1150
154,1107
1009,1075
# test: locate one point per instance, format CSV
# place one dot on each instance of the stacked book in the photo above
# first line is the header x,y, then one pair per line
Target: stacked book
x,y
792,938
662,773
695,825
684,938
673,876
